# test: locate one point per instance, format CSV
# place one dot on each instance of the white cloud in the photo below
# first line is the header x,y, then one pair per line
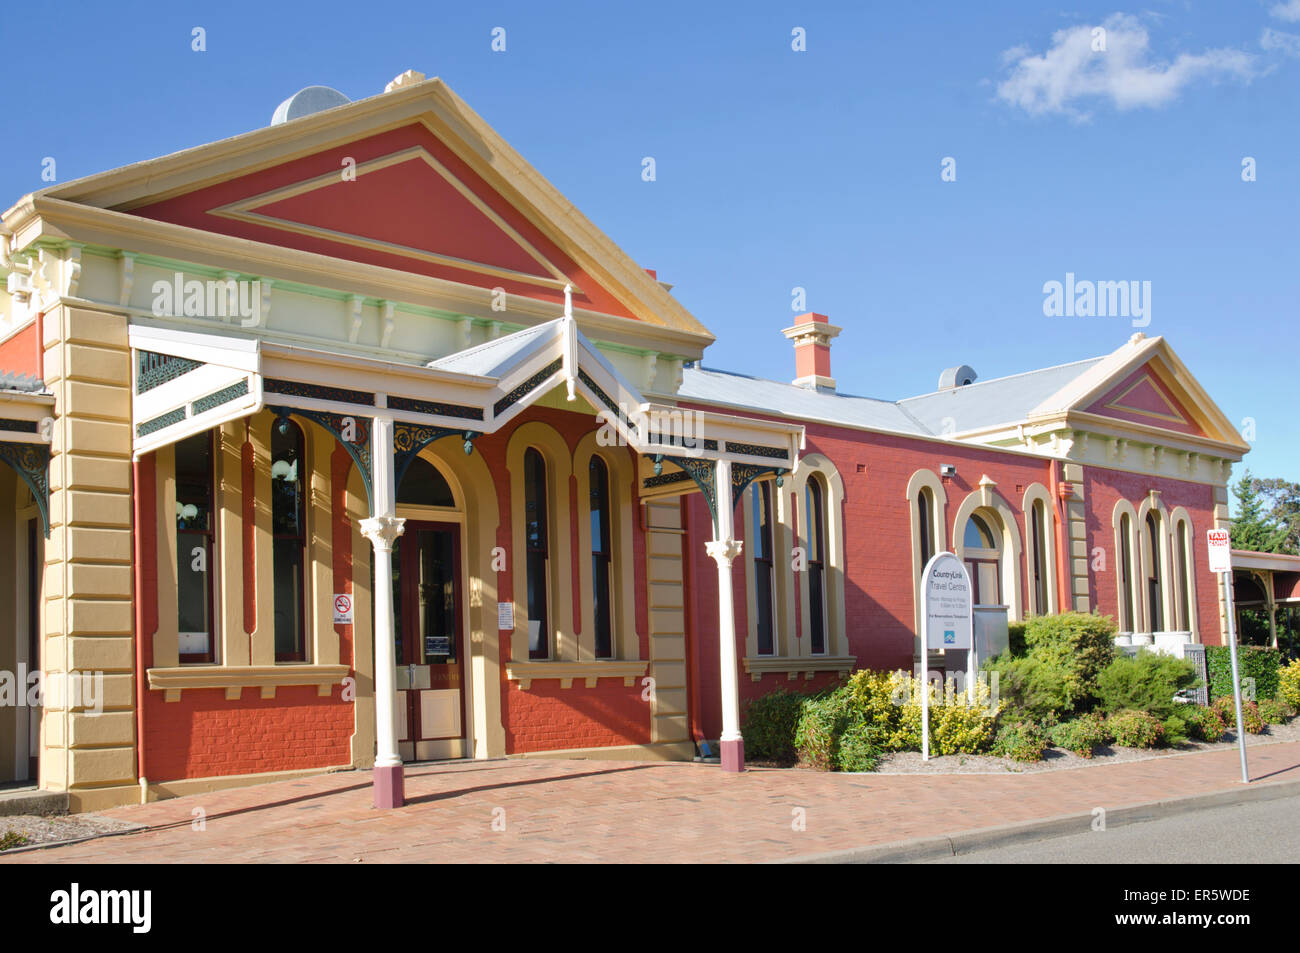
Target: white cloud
x,y
1286,43
1071,73
1288,11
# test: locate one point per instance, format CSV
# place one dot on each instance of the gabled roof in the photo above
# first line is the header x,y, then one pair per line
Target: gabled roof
x,y
1003,400
471,161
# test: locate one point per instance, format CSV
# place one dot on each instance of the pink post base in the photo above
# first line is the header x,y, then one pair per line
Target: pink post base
x,y
389,787
733,755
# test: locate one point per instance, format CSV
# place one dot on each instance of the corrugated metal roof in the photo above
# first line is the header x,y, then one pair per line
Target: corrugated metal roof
x,y
1004,400
740,390
984,403
492,358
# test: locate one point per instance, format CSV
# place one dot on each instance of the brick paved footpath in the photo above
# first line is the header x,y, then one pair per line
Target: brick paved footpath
x,y
582,811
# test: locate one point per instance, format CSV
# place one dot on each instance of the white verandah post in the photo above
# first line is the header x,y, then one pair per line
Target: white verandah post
x,y
382,529
724,548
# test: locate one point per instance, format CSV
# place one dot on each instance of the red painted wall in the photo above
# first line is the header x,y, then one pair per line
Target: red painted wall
x,y
547,717
20,352
878,596
1102,490
203,735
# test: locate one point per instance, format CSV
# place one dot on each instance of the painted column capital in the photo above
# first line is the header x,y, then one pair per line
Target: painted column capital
x,y
382,531
723,551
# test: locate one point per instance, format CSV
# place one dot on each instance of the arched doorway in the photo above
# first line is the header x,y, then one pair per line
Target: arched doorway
x,y
982,552
429,606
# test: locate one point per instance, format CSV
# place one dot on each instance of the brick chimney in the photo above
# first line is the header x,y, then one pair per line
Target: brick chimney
x,y
812,335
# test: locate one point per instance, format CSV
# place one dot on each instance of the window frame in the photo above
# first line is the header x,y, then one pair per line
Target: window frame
x,y
303,651
212,537
601,552
543,506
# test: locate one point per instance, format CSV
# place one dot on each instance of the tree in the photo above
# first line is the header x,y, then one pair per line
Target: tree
x,y
1252,528
1282,499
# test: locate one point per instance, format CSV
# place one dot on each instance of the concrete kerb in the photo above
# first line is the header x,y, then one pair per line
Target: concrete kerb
x,y
986,838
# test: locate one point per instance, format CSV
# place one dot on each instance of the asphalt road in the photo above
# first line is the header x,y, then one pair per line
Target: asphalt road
x,y
1261,832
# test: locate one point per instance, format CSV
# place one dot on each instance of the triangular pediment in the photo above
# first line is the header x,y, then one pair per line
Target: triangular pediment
x,y
1143,387
411,180
1143,398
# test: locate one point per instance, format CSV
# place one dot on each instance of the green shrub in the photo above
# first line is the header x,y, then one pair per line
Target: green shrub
x,y
1145,682
1016,639
1081,644
1082,735
857,750
1251,719
1288,684
1030,685
823,719
960,729
1020,741
769,725
1274,711
1204,723
1261,664
1135,729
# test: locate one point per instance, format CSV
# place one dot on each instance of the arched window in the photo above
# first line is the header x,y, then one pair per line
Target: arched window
x,y
1127,587
925,523
289,539
195,549
1038,557
536,540
760,543
1154,581
815,508
423,485
983,558
598,478
1183,576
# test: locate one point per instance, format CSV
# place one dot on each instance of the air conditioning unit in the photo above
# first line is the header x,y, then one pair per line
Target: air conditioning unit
x,y
19,285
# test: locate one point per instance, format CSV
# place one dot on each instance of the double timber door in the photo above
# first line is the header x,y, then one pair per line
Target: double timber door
x,y
428,606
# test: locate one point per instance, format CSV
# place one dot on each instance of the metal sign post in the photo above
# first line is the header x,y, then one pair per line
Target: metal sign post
x,y
1221,562
946,623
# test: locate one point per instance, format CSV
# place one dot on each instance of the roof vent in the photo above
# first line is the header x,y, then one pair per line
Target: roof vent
x,y
957,377
313,99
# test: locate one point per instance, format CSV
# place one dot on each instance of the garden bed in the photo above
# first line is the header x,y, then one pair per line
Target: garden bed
x,y
56,829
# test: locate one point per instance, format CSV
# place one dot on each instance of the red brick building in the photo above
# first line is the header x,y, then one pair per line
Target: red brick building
x,y
349,442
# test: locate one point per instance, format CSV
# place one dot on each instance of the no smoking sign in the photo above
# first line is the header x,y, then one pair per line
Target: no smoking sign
x,y
342,609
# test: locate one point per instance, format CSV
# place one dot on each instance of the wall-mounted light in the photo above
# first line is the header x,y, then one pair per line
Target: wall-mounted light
x,y
947,470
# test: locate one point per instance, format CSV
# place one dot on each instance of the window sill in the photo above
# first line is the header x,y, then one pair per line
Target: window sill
x,y
759,665
525,672
235,678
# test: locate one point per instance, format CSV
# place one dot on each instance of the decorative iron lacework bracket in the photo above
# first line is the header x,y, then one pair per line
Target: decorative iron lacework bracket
x,y
743,474
703,473
358,449
410,439
32,462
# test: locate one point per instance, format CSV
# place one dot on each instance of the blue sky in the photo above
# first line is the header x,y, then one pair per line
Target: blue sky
x,y
818,169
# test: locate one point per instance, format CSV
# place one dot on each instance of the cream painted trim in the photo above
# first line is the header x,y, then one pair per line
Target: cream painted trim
x,y
166,640
924,479
989,503
1125,508
836,623
1161,550
664,751
758,666
781,575
1178,516
622,473
566,671
559,586
174,680
1037,493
